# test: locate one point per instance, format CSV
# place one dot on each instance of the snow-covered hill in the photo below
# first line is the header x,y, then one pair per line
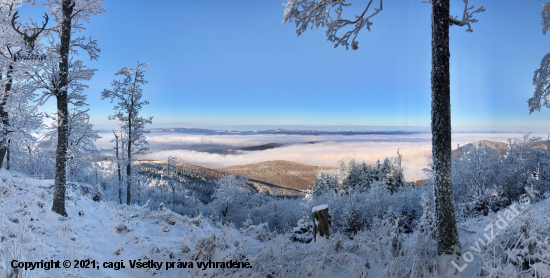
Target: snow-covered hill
x,y
103,232
103,236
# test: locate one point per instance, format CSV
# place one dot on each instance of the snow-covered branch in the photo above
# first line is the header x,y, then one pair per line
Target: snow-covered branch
x,y
91,46
317,13
541,81
467,16
545,17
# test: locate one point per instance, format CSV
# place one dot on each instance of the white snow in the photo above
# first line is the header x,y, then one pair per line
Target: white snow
x,y
108,232
318,208
100,231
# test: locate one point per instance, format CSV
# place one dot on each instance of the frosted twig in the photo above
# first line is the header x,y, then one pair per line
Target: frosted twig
x,y
466,16
304,12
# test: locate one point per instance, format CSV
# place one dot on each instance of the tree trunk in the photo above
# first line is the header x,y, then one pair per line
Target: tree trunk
x,y
4,116
8,155
129,162
173,198
447,231
118,170
138,190
321,221
62,111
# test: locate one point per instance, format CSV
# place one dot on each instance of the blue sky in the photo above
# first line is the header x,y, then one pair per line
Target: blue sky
x,y
215,63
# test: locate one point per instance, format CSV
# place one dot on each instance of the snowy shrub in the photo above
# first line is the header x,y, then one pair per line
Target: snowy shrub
x,y
205,248
184,245
303,232
197,220
351,220
521,247
164,228
424,242
480,172
230,201
260,232
120,227
489,200
248,222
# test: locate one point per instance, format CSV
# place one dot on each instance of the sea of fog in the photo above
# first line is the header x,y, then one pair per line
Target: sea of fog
x,y
216,151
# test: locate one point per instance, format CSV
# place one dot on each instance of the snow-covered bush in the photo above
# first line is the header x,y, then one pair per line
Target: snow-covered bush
x,y
521,248
490,199
303,232
231,199
351,220
205,248
492,178
260,232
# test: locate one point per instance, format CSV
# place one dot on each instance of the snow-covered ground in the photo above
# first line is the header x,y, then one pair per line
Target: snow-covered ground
x,y
111,235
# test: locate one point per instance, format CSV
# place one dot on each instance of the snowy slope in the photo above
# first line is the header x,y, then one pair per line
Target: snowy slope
x,y
100,231
105,232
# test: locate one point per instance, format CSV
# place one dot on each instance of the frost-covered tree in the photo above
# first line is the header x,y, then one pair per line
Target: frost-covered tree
x,y
315,13
398,177
61,75
117,149
351,220
127,94
170,168
231,199
348,175
541,80
9,40
16,41
325,181
22,127
81,149
423,244
385,173
366,177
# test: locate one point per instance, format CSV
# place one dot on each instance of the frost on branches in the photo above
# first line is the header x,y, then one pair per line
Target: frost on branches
x,y
318,13
541,79
81,149
17,91
61,74
127,95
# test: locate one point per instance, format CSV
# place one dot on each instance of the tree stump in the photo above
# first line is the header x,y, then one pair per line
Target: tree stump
x,y
321,221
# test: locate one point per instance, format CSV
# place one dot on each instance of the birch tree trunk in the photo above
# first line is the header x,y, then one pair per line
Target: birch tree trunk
x,y
447,232
62,111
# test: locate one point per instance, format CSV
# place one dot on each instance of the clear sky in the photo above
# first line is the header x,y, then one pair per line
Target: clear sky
x,y
214,62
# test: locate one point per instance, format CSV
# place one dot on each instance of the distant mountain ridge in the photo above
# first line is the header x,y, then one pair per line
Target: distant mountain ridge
x,y
201,131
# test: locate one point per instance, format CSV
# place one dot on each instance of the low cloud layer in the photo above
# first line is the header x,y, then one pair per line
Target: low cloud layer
x,y
326,151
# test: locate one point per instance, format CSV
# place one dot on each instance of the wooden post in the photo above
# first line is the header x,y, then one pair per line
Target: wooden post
x,y
321,221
